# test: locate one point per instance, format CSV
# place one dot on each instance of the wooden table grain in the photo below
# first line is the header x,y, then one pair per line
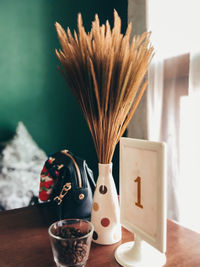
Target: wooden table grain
x,y
24,242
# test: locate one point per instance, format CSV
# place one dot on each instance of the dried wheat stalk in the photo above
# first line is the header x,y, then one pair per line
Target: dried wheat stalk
x,y
106,75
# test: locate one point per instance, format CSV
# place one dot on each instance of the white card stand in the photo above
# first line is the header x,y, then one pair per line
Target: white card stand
x,y
143,202
139,254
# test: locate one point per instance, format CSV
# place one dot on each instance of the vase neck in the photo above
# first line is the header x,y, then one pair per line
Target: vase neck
x,y
105,169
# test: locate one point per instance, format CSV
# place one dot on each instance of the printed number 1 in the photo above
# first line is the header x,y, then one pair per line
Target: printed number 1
x,y
138,203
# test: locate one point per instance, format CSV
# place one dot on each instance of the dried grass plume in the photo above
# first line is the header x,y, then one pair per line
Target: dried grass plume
x,y
106,74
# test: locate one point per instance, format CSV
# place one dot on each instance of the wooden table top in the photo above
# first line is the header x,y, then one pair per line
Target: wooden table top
x,y
24,241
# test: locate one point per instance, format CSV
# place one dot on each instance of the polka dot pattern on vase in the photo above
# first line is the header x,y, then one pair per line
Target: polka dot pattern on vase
x,y
103,189
105,222
95,206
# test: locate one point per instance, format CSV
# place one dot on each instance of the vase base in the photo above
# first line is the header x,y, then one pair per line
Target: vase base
x,y
106,242
107,235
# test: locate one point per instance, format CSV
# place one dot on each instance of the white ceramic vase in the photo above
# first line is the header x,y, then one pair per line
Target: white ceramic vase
x,y
105,211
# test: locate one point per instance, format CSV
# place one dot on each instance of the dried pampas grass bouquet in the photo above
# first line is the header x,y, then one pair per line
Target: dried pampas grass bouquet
x,y
106,73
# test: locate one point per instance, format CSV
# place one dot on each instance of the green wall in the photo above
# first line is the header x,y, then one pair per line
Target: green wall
x,y
31,88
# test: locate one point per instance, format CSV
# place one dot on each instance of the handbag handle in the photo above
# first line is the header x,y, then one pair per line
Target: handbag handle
x,y
76,166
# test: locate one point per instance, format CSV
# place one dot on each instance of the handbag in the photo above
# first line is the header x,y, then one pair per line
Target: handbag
x,y
68,182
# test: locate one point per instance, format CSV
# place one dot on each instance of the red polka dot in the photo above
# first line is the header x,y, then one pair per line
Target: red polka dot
x,y
105,222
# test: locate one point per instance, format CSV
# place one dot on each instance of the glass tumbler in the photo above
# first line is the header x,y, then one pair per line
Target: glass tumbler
x,y
70,241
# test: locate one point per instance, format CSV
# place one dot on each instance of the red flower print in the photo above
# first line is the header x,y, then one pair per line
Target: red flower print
x,y
44,169
48,184
43,196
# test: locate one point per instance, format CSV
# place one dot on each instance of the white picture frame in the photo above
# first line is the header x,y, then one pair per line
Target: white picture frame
x,y
143,190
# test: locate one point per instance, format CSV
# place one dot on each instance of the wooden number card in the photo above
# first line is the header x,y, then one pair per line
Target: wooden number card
x,y
143,190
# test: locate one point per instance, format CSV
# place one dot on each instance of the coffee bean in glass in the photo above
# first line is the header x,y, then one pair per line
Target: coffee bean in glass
x,y
70,241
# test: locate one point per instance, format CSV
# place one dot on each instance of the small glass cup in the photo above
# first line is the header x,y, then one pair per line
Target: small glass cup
x,y
70,241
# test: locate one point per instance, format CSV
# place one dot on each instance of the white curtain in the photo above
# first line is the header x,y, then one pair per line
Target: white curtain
x,y
173,110
155,99
190,148
163,125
